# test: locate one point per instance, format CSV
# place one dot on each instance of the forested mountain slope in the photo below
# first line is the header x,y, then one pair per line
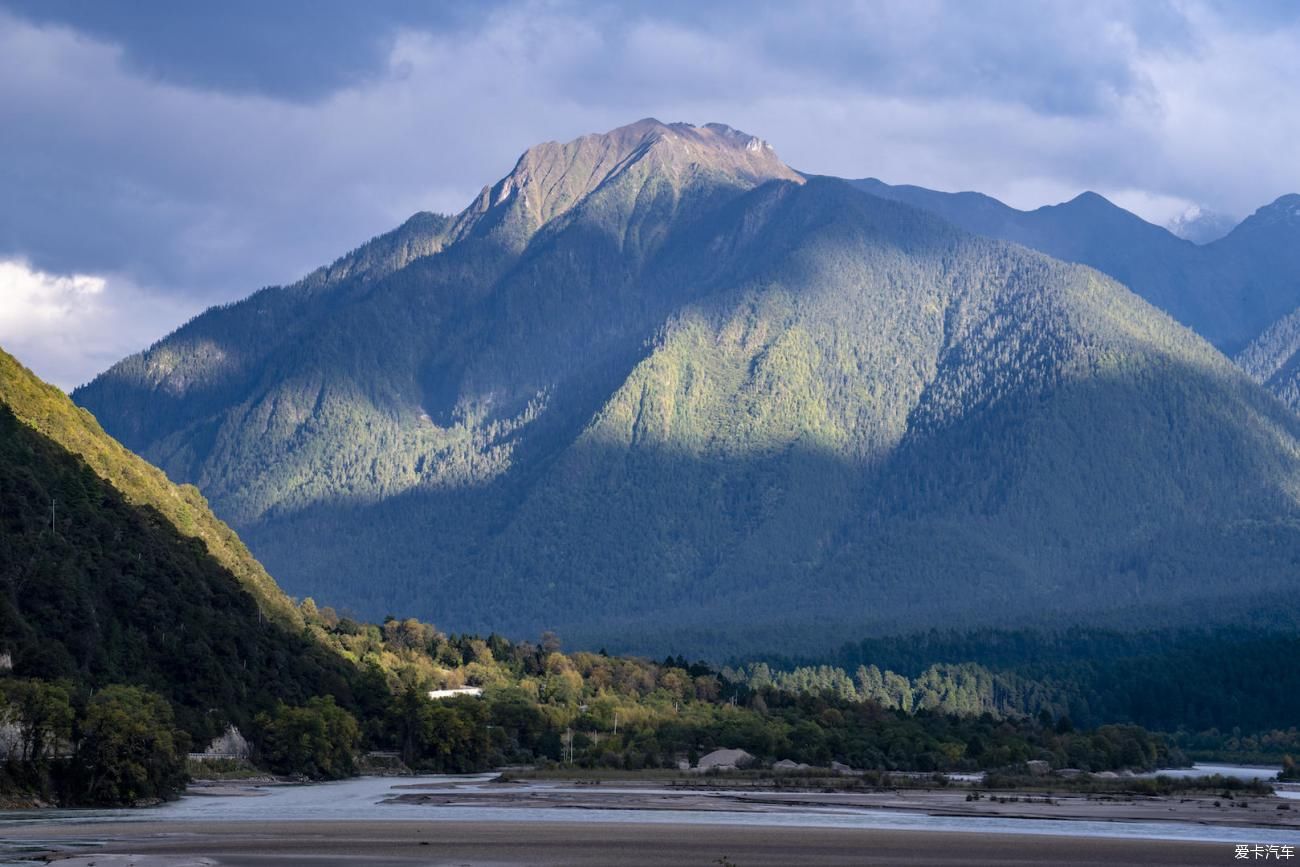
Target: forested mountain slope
x,y
1273,359
1229,290
654,381
49,411
100,585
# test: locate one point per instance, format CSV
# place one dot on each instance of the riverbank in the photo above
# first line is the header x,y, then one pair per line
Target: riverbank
x,y
379,843
653,795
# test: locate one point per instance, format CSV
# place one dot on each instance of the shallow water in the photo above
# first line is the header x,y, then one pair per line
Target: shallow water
x,y
1240,772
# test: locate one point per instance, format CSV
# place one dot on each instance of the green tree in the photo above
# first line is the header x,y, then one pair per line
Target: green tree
x,y
1290,770
453,735
129,750
318,740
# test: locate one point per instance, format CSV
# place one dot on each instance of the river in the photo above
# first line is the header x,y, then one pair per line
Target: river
x,y
368,799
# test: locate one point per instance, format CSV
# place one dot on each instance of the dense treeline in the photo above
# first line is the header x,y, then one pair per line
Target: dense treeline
x,y
540,704
62,743
1220,680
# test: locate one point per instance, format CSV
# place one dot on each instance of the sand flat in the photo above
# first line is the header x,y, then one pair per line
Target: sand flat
x,y
497,844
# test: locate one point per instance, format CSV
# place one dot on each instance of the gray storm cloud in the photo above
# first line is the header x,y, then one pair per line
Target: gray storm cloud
x,y
188,181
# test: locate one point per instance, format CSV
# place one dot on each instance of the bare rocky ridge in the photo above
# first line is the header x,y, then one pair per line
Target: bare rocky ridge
x,y
641,161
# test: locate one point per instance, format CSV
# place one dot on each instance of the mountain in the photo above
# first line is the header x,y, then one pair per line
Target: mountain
x,y
1228,290
1200,226
656,389
110,574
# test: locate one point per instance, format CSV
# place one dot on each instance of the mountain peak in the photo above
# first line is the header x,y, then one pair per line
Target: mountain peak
x,y
1092,199
1101,214
1284,207
650,130
549,179
1281,215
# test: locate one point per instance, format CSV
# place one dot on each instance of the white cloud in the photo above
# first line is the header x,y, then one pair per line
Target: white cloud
x,y
33,299
68,327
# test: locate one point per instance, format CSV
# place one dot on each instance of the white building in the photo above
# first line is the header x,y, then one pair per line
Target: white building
x,y
449,693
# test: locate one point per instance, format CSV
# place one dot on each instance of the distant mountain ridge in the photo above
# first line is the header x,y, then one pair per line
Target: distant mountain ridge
x,y
654,380
1228,290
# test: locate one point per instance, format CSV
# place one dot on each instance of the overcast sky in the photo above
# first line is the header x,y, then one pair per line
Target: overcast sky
x,y
157,158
